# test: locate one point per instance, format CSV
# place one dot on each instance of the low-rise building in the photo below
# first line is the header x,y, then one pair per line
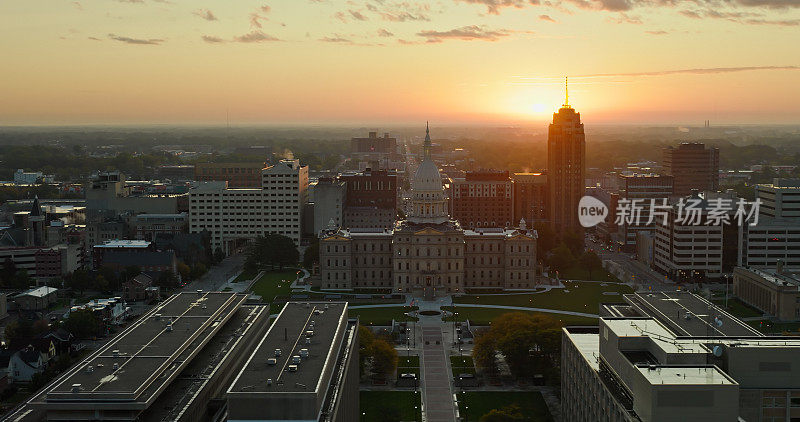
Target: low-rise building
x,y
774,291
676,357
36,299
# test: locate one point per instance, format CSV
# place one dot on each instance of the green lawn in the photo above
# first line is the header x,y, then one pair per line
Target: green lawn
x,y
408,365
581,297
768,327
390,406
476,404
462,365
738,308
272,284
579,273
245,276
482,316
382,315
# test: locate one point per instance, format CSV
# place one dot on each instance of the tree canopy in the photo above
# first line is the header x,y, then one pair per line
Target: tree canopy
x,y
272,250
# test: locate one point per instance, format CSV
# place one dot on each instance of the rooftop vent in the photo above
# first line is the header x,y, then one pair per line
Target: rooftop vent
x,y
200,292
76,388
203,306
326,306
115,366
292,368
272,361
308,340
269,381
89,369
157,317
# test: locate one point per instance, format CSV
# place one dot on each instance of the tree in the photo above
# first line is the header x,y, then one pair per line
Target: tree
x,y
484,352
529,343
79,280
546,240
561,258
511,413
219,255
590,261
574,242
167,279
384,357
311,254
365,340
83,323
271,250
198,270
101,283
21,280
184,270
9,269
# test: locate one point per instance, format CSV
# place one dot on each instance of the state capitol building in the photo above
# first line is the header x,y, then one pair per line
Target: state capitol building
x,y
428,254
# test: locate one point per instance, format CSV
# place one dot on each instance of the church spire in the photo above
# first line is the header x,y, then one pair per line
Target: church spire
x,y
426,147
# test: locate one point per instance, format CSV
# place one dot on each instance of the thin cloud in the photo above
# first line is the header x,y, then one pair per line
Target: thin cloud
x,y
138,41
205,14
255,36
77,5
698,71
465,33
656,32
357,15
400,11
493,6
385,33
547,18
336,39
212,39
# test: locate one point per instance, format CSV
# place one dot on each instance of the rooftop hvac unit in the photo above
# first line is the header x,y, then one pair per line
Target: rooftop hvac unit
x,y
169,328
200,292
157,317
292,368
277,353
115,366
303,353
310,333
296,359
76,388
272,361
115,353
89,369
308,340
269,381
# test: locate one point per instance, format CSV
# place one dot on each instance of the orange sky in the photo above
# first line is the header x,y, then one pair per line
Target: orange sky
x,y
392,61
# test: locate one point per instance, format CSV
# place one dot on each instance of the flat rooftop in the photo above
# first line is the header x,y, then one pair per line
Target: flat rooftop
x,y
587,342
682,375
136,364
689,315
289,333
645,327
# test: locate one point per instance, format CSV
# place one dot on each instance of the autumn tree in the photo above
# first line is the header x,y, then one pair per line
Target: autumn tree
x,y
529,343
511,413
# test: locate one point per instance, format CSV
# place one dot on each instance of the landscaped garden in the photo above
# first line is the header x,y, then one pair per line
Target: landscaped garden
x,y
576,296
462,365
408,365
391,406
529,404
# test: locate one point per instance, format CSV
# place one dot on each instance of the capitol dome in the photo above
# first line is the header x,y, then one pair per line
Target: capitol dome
x,y
427,177
429,204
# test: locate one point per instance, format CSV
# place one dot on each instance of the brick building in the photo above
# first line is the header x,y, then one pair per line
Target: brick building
x,y
482,199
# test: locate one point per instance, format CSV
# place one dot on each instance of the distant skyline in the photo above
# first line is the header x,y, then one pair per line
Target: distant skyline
x,y
371,62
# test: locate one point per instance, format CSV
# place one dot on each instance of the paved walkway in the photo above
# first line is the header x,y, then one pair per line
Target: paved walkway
x,y
522,308
437,399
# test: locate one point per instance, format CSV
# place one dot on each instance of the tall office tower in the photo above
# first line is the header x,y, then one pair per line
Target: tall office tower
x,y
483,199
238,175
693,166
566,169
